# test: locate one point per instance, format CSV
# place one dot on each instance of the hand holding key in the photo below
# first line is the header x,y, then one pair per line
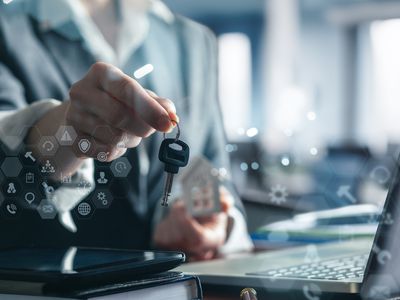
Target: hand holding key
x,y
174,158
108,107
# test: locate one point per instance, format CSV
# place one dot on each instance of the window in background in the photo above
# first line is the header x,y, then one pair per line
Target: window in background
x,y
379,104
386,58
235,83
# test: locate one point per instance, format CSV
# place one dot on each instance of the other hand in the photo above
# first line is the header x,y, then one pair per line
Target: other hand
x,y
199,238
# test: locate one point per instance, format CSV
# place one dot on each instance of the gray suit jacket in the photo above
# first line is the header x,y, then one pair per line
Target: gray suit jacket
x,y
37,64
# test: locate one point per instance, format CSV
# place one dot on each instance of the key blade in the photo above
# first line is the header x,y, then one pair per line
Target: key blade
x,y
167,189
165,200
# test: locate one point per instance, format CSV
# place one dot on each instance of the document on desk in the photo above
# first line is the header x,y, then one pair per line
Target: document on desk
x,y
351,222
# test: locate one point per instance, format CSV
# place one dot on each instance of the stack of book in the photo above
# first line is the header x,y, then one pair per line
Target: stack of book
x,y
94,273
163,286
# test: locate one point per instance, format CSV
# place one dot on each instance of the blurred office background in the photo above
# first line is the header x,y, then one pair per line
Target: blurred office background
x,y
310,94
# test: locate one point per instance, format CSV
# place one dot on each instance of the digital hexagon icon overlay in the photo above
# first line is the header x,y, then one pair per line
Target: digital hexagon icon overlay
x,y
48,145
11,167
11,145
11,187
46,210
11,209
121,167
66,135
84,210
102,198
30,198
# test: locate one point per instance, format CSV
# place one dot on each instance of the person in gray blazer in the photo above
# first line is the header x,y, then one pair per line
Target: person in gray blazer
x,y
69,64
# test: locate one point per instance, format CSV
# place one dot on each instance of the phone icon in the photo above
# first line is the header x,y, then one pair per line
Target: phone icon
x,y
12,208
312,291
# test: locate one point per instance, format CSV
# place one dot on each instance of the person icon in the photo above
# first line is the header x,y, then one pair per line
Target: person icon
x,y
102,179
11,188
48,168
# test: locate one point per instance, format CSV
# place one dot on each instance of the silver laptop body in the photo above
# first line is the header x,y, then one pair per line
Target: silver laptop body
x,y
368,267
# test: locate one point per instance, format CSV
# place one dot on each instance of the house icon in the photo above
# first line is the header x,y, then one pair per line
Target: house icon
x,y
200,187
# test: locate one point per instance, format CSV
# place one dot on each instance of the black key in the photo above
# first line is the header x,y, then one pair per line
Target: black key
x,y
174,154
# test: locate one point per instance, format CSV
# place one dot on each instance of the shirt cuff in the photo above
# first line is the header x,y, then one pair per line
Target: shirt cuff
x,y
238,239
14,126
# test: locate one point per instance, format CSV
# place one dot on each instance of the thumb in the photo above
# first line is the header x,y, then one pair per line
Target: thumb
x,y
226,199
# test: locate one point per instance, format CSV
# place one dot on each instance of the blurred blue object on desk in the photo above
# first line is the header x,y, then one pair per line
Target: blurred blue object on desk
x,y
350,222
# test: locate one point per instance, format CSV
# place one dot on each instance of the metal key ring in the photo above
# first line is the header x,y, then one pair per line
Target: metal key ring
x,y
178,134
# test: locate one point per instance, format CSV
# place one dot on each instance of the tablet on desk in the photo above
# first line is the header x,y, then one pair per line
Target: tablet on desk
x,y
49,265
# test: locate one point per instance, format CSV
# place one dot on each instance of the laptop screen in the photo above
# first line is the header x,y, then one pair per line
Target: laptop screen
x,y
382,277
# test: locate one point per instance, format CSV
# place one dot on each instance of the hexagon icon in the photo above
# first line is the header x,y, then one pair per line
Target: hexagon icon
x,y
11,187
103,177
11,209
380,172
66,135
29,198
46,210
48,167
84,210
11,145
121,167
342,191
11,166
48,145
102,198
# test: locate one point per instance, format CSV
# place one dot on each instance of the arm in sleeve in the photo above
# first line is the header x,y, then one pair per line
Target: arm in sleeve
x,y
16,117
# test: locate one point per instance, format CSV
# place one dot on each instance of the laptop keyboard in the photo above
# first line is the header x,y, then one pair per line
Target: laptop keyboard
x,y
335,269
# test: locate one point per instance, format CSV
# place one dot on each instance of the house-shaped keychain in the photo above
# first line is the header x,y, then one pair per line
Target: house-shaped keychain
x,y
200,187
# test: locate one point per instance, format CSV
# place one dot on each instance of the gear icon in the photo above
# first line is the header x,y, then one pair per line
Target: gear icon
x,y
102,197
278,194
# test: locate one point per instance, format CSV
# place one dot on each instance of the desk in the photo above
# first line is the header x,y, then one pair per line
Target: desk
x,y
215,293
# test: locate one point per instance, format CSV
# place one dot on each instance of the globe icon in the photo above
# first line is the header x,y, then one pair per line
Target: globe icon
x,y
84,209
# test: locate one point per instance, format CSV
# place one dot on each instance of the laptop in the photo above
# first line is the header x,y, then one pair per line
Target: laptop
x,y
360,268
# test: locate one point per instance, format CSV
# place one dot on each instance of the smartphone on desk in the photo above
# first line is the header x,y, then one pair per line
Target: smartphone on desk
x,y
75,264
